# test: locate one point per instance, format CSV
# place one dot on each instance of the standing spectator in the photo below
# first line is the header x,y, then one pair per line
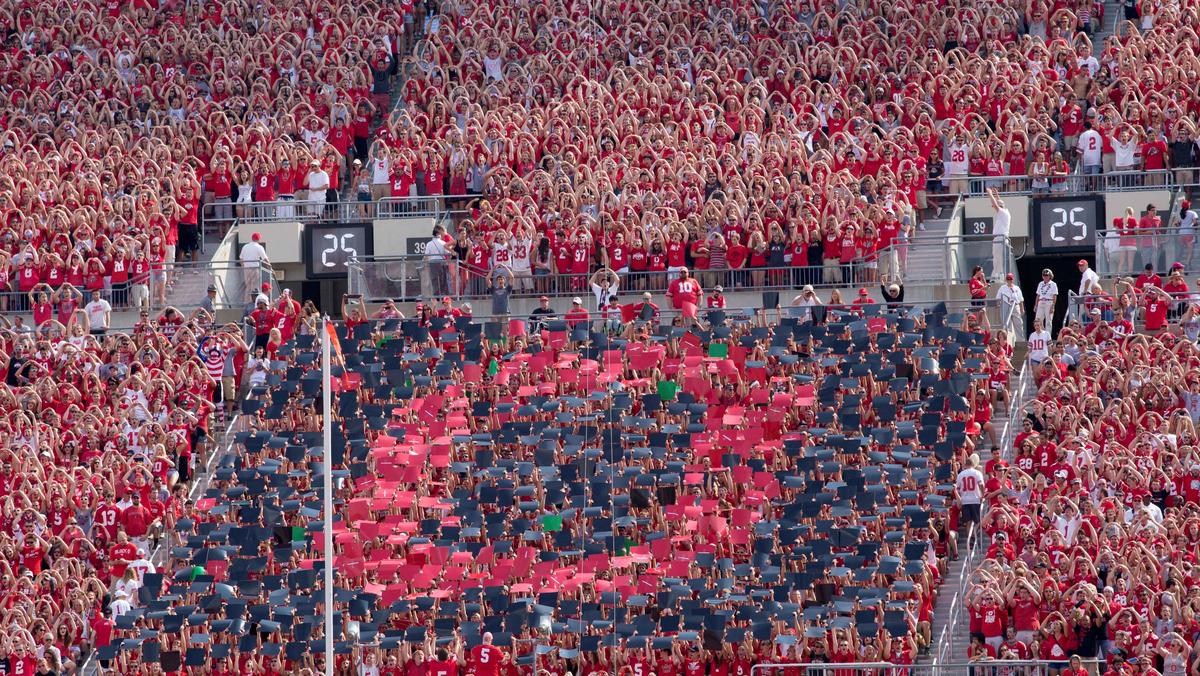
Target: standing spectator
x,y
1045,299
436,256
969,488
1088,277
317,183
1001,226
501,291
977,286
1012,304
264,318
1149,228
1181,154
99,314
253,257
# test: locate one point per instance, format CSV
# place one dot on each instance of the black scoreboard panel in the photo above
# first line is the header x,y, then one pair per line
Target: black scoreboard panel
x,y
1066,225
329,247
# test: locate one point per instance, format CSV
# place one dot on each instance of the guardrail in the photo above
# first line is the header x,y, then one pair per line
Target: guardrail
x,y
307,211
1078,182
1126,253
413,277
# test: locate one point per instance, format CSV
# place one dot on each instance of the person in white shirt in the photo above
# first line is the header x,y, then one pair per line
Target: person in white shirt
x,y
1001,225
1012,304
1091,149
436,256
317,183
1047,296
969,487
1039,343
99,313
1125,147
1088,277
253,256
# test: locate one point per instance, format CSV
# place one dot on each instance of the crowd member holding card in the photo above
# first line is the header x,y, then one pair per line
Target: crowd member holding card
x,y
477,473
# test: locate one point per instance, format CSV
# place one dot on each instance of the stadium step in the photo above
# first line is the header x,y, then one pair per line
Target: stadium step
x,y
958,571
1114,13
926,257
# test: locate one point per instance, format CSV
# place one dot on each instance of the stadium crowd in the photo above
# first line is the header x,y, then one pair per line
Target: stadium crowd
x,y
642,499
720,139
1092,522
121,120
786,135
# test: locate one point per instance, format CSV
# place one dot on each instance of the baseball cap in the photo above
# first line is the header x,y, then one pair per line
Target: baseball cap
x,y
1046,271
1082,261
862,291
544,298
266,286
256,236
719,289
577,300
212,287
314,163
1009,276
1095,311
447,299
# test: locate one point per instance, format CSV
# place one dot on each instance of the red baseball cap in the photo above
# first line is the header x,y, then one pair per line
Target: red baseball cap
x,y
862,291
1082,262
256,236
266,286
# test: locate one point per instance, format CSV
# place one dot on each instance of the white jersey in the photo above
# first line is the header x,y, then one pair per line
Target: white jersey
x,y
958,159
970,486
1091,144
1039,345
520,248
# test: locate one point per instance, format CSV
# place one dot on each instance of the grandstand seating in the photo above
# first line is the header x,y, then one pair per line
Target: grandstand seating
x,y
562,488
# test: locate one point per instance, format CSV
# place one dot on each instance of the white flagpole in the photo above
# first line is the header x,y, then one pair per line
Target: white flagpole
x,y
327,457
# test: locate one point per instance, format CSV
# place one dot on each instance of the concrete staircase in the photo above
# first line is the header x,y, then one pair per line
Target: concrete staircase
x,y
1114,13
949,595
927,253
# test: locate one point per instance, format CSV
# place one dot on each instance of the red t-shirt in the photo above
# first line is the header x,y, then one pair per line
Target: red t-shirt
x,y
486,660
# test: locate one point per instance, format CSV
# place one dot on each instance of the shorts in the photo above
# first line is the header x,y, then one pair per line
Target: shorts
x,y
228,388
189,237
970,513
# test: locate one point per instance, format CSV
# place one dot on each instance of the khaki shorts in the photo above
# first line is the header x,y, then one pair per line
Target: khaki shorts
x,y
228,389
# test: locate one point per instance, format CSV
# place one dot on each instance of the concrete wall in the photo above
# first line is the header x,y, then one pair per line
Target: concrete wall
x,y
397,236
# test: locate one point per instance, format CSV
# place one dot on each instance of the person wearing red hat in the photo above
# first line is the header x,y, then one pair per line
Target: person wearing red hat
x,y
1088,277
864,297
253,257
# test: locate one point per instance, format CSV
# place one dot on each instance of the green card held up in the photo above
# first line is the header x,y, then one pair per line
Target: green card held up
x,y
551,522
718,350
667,390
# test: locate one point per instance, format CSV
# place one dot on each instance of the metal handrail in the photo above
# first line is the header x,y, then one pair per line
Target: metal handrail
x,y
1077,182
305,211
